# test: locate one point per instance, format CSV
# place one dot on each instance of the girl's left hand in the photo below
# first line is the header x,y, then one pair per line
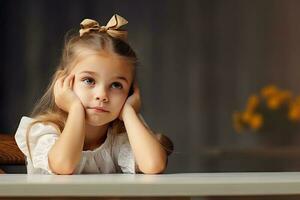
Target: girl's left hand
x,y
133,101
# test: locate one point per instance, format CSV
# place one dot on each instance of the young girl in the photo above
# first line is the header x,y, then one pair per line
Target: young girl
x,y
79,124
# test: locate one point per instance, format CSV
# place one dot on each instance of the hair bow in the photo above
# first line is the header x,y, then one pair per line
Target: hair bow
x,y
111,28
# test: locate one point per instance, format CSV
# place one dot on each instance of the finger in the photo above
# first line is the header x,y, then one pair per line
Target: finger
x,y
67,81
58,83
72,82
56,87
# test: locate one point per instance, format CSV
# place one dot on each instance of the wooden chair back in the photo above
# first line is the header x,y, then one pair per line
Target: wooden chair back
x,y
10,153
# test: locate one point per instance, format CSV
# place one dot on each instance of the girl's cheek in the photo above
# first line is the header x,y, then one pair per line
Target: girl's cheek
x,y
123,100
78,88
119,100
75,88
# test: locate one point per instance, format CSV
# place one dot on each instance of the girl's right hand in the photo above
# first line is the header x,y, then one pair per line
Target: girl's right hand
x,y
64,95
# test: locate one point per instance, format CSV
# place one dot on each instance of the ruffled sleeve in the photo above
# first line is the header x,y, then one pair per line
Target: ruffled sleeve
x,y
41,138
125,157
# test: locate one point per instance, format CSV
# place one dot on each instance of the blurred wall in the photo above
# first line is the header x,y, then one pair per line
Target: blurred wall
x,y
200,60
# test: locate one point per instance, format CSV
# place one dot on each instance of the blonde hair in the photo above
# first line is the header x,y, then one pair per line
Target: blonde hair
x,y
46,111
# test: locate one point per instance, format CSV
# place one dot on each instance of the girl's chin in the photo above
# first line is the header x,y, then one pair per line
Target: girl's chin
x,y
96,121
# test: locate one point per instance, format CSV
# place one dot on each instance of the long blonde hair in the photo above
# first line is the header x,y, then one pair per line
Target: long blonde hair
x,y
46,111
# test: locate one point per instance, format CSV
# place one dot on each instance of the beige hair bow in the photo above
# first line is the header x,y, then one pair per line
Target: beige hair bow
x,y
111,28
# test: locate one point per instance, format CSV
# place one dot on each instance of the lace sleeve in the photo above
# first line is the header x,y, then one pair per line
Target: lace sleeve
x,y
125,157
41,138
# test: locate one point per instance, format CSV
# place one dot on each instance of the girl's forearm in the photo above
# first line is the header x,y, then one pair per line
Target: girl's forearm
x,y
149,154
66,152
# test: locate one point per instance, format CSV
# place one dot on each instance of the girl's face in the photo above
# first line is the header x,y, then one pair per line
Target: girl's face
x,y
102,82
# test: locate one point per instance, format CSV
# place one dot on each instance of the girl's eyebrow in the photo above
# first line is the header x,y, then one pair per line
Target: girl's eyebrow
x,y
117,77
122,78
88,72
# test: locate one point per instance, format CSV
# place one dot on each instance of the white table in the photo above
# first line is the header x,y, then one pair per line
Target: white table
x,y
167,185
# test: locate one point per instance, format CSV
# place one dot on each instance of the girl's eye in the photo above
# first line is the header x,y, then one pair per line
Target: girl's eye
x,y
117,85
89,81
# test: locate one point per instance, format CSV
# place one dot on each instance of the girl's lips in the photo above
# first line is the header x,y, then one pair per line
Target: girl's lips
x,y
98,109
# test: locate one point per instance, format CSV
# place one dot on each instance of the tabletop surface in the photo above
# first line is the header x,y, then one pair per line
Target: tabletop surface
x,y
181,184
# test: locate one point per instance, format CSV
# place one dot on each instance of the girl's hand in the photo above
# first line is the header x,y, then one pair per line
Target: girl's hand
x,y
64,95
133,101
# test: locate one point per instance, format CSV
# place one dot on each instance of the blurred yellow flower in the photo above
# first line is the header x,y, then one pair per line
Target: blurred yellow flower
x,y
273,102
247,115
271,109
252,103
256,121
268,91
294,112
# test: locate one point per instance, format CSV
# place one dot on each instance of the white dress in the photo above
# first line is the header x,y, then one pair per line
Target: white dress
x,y
107,158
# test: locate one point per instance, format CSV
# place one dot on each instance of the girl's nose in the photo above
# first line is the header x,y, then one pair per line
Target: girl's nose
x,y
102,96
102,99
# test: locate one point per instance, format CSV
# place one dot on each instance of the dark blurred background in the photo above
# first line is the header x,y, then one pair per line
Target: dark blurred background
x,y
200,61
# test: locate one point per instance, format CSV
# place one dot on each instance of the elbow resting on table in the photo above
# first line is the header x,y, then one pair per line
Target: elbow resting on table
x,y
153,168
62,168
